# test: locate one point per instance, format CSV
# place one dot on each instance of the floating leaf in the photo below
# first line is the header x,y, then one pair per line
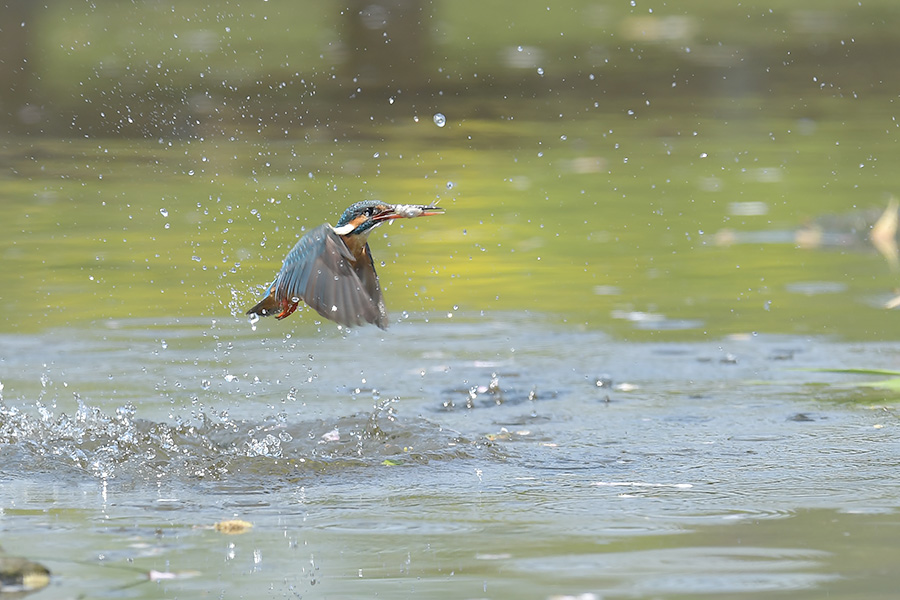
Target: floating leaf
x,y
233,526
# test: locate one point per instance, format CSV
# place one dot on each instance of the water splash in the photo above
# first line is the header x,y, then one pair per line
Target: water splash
x,y
213,446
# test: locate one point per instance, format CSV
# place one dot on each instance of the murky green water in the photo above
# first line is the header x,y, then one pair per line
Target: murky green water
x,y
602,377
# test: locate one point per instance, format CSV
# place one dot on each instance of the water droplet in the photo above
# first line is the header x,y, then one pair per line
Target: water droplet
x,y
450,185
205,384
439,119
164,212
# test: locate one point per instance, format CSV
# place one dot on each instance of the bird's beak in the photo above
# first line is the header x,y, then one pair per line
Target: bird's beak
x,y
408,211
430,211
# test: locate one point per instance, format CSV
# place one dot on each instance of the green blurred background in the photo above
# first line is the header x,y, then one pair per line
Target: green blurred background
x,y
652,169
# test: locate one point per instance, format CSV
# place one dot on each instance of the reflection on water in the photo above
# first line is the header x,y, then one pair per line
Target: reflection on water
x,y
186,229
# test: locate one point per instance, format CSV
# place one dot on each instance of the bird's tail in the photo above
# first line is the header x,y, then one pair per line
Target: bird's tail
x,y
270,306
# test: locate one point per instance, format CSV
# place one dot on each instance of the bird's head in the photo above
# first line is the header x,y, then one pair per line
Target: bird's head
x,y
361,217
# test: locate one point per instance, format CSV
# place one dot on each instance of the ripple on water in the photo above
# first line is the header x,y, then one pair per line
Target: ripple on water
x,y
688,570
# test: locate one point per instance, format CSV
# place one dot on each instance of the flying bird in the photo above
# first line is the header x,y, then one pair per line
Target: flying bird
x,y
331,268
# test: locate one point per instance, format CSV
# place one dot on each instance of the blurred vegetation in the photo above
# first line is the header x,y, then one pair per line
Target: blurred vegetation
x,y
195,68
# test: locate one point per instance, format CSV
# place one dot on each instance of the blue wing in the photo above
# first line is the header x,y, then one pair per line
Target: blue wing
x,y
321,271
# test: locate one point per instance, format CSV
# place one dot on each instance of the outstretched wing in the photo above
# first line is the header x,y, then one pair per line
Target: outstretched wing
x,y
321,271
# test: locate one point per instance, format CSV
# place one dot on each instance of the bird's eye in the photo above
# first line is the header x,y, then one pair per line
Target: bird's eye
x,y
370,211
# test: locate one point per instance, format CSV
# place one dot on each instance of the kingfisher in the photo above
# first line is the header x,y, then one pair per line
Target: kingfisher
x,y
331,268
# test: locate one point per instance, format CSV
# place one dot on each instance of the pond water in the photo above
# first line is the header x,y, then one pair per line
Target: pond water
x,y
513,458
637,357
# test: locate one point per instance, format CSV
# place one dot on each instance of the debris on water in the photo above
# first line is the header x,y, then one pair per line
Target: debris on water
x,y
502,436
507,435
233,526
332,436
729,359
18,575
801,418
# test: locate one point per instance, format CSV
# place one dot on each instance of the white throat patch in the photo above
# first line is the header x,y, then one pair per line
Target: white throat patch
x,y
343,229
